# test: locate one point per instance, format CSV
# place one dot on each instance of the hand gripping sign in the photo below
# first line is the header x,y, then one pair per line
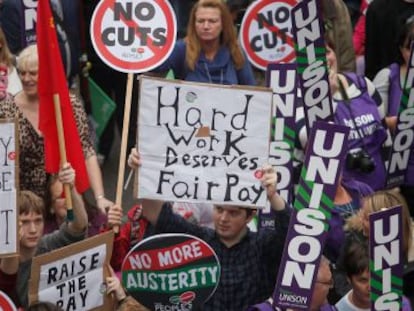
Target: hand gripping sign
x,y
309,223
265,32
133,36
171,272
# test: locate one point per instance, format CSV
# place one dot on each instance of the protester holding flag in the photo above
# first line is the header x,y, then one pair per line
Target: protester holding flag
x,y
210,52
33,242
389,83
56,209
25,107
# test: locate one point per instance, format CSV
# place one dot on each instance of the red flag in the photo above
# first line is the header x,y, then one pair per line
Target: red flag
x,y
52,82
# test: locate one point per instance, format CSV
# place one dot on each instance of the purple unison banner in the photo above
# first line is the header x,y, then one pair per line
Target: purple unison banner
x,y
281,78
307,30
309,222
386,259
402,147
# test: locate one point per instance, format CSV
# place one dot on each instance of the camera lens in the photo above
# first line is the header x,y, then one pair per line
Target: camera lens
x,y
367,165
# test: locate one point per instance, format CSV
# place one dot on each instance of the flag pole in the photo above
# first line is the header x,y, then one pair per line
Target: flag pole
x,y
62,152
124,142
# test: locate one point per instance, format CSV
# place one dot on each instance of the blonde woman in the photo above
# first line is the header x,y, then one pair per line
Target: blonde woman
x,y
376,202
25,107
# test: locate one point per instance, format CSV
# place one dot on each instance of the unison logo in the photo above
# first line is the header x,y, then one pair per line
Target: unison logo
x,y
293,299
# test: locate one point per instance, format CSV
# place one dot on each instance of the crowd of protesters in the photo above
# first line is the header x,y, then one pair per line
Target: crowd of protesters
x,y
366,75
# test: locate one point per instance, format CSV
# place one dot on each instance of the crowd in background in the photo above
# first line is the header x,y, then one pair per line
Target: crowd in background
x,y
366,74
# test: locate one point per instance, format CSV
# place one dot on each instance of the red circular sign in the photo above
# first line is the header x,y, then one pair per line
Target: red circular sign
x,y
265,32
133,36
5,303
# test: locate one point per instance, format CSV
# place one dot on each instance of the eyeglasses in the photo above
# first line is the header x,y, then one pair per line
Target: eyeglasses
x,y
329,283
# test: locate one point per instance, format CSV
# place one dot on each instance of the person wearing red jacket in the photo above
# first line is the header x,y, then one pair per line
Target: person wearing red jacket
x,y
135,229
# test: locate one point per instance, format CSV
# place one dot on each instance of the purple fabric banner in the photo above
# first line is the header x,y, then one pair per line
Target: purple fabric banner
x,y
309,222
308,33
402,153
281,78
386,259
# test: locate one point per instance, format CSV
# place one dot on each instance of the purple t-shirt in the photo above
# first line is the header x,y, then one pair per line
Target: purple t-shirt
x,y
367,132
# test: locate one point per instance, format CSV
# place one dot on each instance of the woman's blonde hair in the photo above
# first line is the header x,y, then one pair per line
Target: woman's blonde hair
x,y
383,200
28,58
228,36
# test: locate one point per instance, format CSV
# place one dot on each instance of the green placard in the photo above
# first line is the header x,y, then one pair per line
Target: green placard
x,y
102,107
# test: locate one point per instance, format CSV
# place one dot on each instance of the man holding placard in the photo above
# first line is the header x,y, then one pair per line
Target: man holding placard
x,y
32,240
247,259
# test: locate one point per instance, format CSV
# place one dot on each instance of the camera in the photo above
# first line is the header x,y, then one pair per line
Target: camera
x,y
360,161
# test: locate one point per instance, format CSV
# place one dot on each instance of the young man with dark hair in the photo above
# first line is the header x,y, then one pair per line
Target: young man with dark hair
x,y
249,260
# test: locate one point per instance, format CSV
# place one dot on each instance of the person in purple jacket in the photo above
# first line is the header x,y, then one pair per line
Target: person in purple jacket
x,y
358,105
347,202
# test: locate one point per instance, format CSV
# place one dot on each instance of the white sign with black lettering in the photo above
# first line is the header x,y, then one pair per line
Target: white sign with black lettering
x,y
73,277
203,142
71,282
8,193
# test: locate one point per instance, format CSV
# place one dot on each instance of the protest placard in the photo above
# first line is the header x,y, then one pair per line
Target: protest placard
x,y
401,154
281,78
309,223
73,277
202,142
386,259
171,272
265,32
133,36
308,31
8,188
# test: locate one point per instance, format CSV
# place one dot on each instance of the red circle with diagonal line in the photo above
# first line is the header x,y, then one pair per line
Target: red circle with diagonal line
x,y
265,32
6,303
133,36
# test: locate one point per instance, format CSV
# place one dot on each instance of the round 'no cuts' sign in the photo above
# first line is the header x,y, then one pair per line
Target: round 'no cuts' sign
x,y
265,32
133,36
